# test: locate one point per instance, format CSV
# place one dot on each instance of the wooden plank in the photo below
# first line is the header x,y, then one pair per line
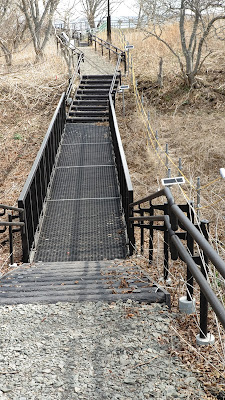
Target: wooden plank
x,y
140,297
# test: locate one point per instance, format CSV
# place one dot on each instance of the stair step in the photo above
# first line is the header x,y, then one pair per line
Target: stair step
x,y
83,44
78,281
92,91
89,108
97,81
86,119
91,97
100,77
100,114
90,103
94,87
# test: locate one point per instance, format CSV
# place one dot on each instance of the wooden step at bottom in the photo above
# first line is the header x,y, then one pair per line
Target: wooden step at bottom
x,y
79,281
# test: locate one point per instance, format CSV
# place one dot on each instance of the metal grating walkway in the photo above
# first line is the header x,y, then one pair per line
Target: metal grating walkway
x,y
83,217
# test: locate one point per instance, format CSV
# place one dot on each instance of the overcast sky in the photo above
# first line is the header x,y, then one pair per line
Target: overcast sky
x,y
125,9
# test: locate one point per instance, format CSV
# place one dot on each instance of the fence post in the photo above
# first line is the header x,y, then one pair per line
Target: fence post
x,y
157,138
128,59
167,160
180,167
204,338
198,197
123,104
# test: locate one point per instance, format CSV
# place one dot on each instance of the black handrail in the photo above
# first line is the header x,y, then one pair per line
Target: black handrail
x,y
10,224
5,207
116,73
111,48
4,223
174,217
75,74
126,189
34,192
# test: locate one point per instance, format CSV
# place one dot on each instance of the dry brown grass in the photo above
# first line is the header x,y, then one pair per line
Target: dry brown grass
x,y
29,95
192,123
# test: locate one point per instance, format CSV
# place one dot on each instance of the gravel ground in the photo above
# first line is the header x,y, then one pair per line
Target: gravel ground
x,y
80,351
95,64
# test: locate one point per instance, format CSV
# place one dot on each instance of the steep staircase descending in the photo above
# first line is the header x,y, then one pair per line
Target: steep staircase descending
x,y
82,244
91,100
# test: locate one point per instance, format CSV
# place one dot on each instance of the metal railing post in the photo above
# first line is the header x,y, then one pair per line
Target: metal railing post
x,y
190,246
142,232
130,225
166,246
125,62
204,225
10,240
151,233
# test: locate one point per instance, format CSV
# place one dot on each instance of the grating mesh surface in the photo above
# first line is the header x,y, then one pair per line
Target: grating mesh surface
x,y
83,218
86,133
86,154
84,182
83,230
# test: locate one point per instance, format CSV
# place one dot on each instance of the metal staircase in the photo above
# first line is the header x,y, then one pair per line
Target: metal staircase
x,y
91,102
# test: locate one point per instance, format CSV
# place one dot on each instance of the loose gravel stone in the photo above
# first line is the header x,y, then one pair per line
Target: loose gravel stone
x,y
68,351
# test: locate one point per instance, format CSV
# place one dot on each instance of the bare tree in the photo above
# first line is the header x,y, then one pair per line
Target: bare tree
x,y
39,16
199,20
93,9
66,12
13,26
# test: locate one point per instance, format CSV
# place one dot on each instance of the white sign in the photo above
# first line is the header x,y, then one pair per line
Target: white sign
x,y
173,181
124,87
129,47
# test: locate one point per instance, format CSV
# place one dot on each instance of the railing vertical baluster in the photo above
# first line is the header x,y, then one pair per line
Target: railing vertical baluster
x,y
204,225
151,233
10,240
142,233
166,247
190,246
35,188
130,224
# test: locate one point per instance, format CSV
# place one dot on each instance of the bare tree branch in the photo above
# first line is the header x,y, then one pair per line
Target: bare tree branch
x,y
196,20
39,21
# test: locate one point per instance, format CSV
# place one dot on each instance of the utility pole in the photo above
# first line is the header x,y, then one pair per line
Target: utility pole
x,y
108,25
